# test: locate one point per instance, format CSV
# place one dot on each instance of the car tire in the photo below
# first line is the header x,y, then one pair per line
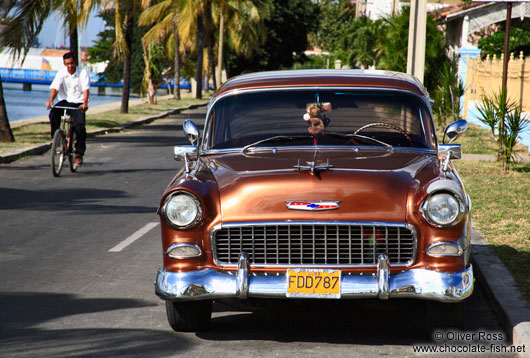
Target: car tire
x,y
189,316
445,316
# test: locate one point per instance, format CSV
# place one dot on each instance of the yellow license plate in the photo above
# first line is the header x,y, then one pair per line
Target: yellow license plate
x,y
313,283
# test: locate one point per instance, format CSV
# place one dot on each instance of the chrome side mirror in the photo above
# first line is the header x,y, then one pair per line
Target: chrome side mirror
x,y
191,131
184,152
454,130
446,152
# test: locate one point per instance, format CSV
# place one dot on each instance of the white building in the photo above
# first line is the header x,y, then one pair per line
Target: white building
x,y
377,9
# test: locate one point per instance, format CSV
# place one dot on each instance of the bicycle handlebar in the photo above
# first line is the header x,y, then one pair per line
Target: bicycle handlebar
x,y
61,107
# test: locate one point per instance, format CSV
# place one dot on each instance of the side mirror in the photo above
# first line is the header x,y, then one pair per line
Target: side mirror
x,y
185,152
191,131
454,130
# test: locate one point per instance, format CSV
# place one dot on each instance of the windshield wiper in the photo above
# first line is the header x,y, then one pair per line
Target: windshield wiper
x,y
276,138
357,136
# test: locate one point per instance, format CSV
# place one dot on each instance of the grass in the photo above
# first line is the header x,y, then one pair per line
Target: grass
x,y
500,212
34,134
477,140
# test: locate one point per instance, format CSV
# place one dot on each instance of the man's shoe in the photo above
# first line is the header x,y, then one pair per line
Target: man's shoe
x,y
78,159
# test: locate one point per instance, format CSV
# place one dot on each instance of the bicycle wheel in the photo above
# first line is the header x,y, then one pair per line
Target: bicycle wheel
x,y
71,157
58,151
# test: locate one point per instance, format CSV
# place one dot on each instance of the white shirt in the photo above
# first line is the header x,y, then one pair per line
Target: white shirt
x,y
71,87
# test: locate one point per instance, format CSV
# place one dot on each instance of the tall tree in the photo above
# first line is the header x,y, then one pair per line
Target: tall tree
x,y
165,16
242,22
200,50
296,18
6,135
28,18
124,13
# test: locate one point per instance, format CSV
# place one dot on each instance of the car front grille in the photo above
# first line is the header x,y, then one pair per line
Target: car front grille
x,y
284,244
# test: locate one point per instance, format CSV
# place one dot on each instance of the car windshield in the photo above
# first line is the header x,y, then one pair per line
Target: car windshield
x,y
324,117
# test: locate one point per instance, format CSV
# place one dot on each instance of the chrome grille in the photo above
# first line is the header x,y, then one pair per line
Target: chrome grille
x,y
314,244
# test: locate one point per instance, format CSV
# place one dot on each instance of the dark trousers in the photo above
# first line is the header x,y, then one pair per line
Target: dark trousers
x,y
78,119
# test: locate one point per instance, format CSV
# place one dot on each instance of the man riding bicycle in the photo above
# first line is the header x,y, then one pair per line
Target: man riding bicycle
x,y
72,84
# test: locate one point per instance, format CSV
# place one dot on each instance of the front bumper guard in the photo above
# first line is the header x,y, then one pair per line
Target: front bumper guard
x,y
413,283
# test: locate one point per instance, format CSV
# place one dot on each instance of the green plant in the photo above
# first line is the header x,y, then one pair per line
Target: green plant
x,y
506,122
514,124
447,94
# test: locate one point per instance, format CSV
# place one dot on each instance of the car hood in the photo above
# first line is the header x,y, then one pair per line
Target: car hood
x,y
370,185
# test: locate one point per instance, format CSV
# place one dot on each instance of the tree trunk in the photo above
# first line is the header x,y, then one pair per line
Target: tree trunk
x,y
127,62
200,47
74,45
220,49
176,89
6,135
209,33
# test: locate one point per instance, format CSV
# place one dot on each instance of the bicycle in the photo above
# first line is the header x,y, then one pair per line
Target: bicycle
x,y
63,143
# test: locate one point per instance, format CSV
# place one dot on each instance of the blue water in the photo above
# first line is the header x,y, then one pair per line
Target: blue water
x,y
29,104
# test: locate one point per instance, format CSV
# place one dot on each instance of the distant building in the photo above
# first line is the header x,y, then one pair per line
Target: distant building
x,y
377,9
45,59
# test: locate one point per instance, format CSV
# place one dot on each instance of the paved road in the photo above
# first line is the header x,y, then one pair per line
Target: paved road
x,y
64,294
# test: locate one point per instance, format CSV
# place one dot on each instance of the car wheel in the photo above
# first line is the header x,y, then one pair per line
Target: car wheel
x,y
189,316
444,316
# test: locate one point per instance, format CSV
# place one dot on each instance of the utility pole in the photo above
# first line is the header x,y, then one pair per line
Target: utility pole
x,y
417,36
395,8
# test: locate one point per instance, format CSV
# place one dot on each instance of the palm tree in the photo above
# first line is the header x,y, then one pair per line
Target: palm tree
x,y
124,12
28,18
6,135
165,16
244,26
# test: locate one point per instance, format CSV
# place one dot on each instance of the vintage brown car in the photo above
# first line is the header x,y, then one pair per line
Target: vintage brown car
x,y
315,184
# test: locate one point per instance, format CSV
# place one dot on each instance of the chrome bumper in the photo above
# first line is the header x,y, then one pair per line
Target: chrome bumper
x,y
414,283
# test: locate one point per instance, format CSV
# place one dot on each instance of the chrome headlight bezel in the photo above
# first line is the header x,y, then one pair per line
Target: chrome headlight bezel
x,y
192,200
460,211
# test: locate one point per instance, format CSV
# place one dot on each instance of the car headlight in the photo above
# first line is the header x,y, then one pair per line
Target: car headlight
x,y
181,210
442,209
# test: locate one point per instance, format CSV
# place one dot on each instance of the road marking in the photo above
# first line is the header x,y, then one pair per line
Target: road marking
x,y
148,227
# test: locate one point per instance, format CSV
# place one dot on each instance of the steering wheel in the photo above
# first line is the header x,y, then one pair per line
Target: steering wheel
x,y
385,125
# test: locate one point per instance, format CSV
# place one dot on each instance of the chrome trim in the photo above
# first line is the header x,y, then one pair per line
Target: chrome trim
x,y
413,283
439,243
383,276
334,203
197,219
242,276
180,245
461,205
274,223
213,101
191,131
180,152
318,147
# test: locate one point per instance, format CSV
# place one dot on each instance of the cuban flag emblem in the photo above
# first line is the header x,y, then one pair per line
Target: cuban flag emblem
x,y
312,205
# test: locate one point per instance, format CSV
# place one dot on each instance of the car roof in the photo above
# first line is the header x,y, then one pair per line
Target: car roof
x,y
324,78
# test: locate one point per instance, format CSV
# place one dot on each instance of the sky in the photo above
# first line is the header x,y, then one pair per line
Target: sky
x,y
52,33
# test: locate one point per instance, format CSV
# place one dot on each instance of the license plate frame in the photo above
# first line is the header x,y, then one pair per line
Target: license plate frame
x,y
313,283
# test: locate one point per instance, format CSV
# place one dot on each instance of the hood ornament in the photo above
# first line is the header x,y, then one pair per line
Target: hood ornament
x,y
312,205
312,166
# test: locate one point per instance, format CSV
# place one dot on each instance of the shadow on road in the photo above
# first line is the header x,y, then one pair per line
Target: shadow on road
x,y
67,200
363,322
20,336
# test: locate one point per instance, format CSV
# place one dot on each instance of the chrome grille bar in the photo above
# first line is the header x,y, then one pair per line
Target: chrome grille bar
x,y
314,243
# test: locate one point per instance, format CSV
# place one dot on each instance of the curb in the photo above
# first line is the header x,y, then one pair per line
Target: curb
x,y
43,148
507,302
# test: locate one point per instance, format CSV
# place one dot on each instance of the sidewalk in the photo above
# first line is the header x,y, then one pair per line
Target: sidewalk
x,y
487,157
43,148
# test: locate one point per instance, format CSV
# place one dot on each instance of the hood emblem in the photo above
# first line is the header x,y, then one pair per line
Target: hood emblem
x,y
312,205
